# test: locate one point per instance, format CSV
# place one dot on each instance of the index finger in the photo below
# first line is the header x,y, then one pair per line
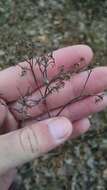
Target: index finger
x,y
11,80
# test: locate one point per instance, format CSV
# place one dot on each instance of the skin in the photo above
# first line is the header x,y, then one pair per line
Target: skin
x,y
37,138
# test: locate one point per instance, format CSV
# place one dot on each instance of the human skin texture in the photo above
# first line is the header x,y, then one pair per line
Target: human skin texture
x,y
37,138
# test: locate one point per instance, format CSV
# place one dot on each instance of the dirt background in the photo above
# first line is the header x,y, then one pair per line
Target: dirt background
x,y
80,164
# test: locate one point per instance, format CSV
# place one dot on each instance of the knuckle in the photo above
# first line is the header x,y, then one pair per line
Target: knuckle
x,y
29,141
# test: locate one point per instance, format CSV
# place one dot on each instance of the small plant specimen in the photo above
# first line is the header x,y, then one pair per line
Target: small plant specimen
x,y
43,64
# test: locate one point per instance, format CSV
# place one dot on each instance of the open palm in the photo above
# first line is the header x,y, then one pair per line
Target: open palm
x,y
35,139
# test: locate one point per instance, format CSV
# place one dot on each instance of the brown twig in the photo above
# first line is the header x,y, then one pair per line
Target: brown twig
x,y
50,85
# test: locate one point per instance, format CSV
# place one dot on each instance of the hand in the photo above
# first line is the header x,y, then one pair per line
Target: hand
x,y
36,138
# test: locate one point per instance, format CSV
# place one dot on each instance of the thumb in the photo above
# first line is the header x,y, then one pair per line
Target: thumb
x,y
23,145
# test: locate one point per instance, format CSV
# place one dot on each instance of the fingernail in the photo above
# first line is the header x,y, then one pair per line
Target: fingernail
x,y
85,125
60,129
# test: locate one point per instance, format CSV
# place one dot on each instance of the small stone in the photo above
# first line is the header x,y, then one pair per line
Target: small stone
x,y
41,3
103,145
105,174
31,32
43,38
2,52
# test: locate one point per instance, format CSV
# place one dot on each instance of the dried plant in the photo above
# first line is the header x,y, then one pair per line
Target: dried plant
x,y
44,63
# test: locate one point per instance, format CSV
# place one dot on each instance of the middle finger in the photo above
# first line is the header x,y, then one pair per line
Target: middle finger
x,y
96,83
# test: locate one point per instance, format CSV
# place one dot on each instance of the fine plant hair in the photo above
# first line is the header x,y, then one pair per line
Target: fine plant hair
x,y
44,63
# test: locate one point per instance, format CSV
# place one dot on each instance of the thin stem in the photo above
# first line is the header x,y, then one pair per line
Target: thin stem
x,y
35,79
80,97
